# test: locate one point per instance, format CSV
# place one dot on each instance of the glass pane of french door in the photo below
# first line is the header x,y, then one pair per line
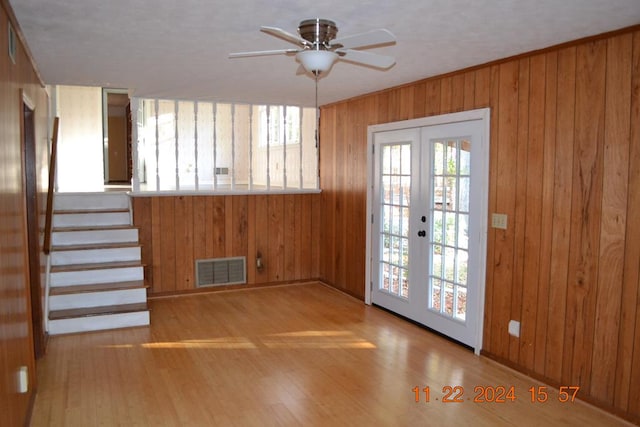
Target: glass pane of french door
x,y
449,228
395,195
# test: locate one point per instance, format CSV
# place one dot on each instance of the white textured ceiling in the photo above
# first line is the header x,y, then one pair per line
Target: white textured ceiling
x,y
179,48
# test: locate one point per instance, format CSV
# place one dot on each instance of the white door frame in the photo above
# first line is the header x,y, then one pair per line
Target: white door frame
x,y
478,114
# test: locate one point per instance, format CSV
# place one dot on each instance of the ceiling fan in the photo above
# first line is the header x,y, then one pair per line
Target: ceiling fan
x,y
318,48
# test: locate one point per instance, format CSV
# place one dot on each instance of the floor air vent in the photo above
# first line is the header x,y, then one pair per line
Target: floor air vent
x,y
221,271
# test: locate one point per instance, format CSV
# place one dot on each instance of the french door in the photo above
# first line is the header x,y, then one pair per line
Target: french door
x,y
428,229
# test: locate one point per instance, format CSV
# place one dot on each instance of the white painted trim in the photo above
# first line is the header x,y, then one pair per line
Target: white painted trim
x,y
484,209
98,299
98,323
134,105
462,116
369,213
153,193
47,288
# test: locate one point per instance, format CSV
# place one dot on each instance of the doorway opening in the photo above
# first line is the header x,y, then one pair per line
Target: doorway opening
x,y
426,241
116,128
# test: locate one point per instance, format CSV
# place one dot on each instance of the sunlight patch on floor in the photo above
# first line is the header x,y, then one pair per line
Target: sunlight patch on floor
x,y
287,340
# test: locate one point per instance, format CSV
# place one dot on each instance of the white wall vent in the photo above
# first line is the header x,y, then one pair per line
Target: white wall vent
x,y
221,271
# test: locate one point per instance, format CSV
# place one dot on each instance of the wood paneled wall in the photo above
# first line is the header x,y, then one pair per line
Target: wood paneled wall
x,y
565,168
175,231
16,342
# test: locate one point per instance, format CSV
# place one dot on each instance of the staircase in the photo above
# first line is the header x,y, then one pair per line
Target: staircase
x,y
96,278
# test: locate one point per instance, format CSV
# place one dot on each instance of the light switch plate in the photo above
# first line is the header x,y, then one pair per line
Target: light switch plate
x,y
499,221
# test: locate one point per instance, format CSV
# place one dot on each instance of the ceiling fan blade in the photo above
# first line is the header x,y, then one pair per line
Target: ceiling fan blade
x,y
263,53
284,35
366,58
370,38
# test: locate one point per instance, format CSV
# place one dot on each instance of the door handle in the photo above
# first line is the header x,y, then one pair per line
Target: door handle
x,y
422,233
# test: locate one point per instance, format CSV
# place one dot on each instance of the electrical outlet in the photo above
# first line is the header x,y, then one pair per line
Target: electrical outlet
x,y
514,328
499,221
23,379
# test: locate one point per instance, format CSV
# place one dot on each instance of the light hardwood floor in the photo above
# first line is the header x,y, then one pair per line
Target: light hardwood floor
x,y
290,355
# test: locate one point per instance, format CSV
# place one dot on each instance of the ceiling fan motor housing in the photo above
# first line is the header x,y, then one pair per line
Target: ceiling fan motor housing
x,y
318,31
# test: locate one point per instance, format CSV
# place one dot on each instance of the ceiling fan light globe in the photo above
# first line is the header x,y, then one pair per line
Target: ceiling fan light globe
x,y
317,61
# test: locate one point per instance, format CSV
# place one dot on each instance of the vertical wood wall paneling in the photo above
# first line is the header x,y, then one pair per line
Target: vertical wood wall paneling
x,y
348,263
275,253
486,79
262,237
586,210
228,225
433,89
317,224
155,279
548,180
457,92
483,85
614,213
292,246
419,101
200,227
627,389
328,162
393,106
469,90
251,241
184,259
142,216
239,235
506,147
446,96
559,120
340,240
517,221
175,231
168,245
16,340
406,95
535,177
305,237
382,108
356,230
216,227
562,196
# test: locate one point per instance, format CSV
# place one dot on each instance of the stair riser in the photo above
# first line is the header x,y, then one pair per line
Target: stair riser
x,y
89,219
88,277
84,256
89,201
97,299
98,323
61,238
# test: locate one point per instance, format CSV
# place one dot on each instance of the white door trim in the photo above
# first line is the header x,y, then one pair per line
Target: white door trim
x,y
478,114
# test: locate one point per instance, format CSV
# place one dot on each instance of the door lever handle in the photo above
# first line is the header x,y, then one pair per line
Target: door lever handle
x,y
422,233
